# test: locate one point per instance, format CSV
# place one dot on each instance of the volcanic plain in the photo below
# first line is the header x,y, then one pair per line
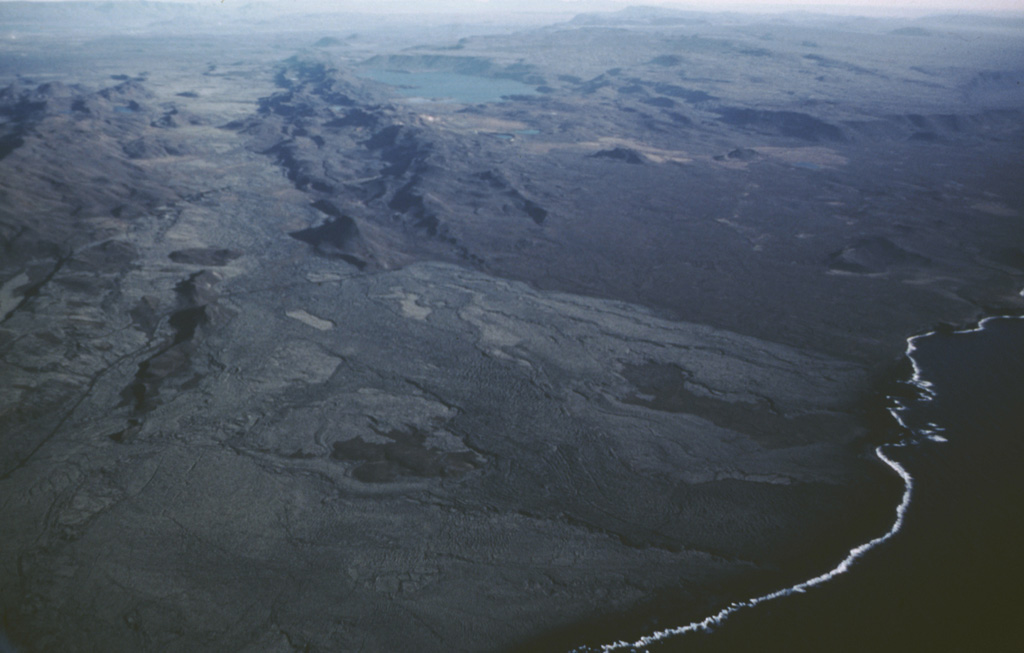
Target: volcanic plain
x,y
293,359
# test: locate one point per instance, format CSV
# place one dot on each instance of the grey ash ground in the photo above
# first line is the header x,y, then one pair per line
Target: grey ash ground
x,y
290,362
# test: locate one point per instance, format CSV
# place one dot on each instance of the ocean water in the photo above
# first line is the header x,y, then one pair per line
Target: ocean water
x,y
949,575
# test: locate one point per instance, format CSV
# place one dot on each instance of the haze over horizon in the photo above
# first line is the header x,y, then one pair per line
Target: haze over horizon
x,y
557,6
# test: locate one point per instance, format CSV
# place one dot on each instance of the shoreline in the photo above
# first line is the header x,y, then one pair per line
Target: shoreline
x,y
910,437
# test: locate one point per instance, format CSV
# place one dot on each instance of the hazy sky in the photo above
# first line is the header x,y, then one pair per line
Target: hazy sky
x,y
847,5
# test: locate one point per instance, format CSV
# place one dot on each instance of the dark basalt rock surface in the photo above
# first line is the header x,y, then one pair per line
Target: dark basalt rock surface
x,y
623,154
338,237
289,363
875,254
205,256
149,147
743,154
785,123
404,453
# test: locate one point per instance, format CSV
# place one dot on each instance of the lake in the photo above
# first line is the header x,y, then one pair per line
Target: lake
x,y
448,86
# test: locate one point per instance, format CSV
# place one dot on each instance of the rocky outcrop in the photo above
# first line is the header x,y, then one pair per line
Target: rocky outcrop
x,y
205,256
792,124
873,255
171,364
338,237
624,154
403,164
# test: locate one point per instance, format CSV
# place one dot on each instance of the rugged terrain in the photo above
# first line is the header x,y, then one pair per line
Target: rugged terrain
x,y
290,361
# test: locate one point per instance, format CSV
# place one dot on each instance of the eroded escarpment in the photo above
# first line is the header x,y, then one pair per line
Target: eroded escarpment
x,y
383,171
69,166
776,199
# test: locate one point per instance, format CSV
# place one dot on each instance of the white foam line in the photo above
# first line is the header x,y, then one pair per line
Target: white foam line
x,y
931,434
844,566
